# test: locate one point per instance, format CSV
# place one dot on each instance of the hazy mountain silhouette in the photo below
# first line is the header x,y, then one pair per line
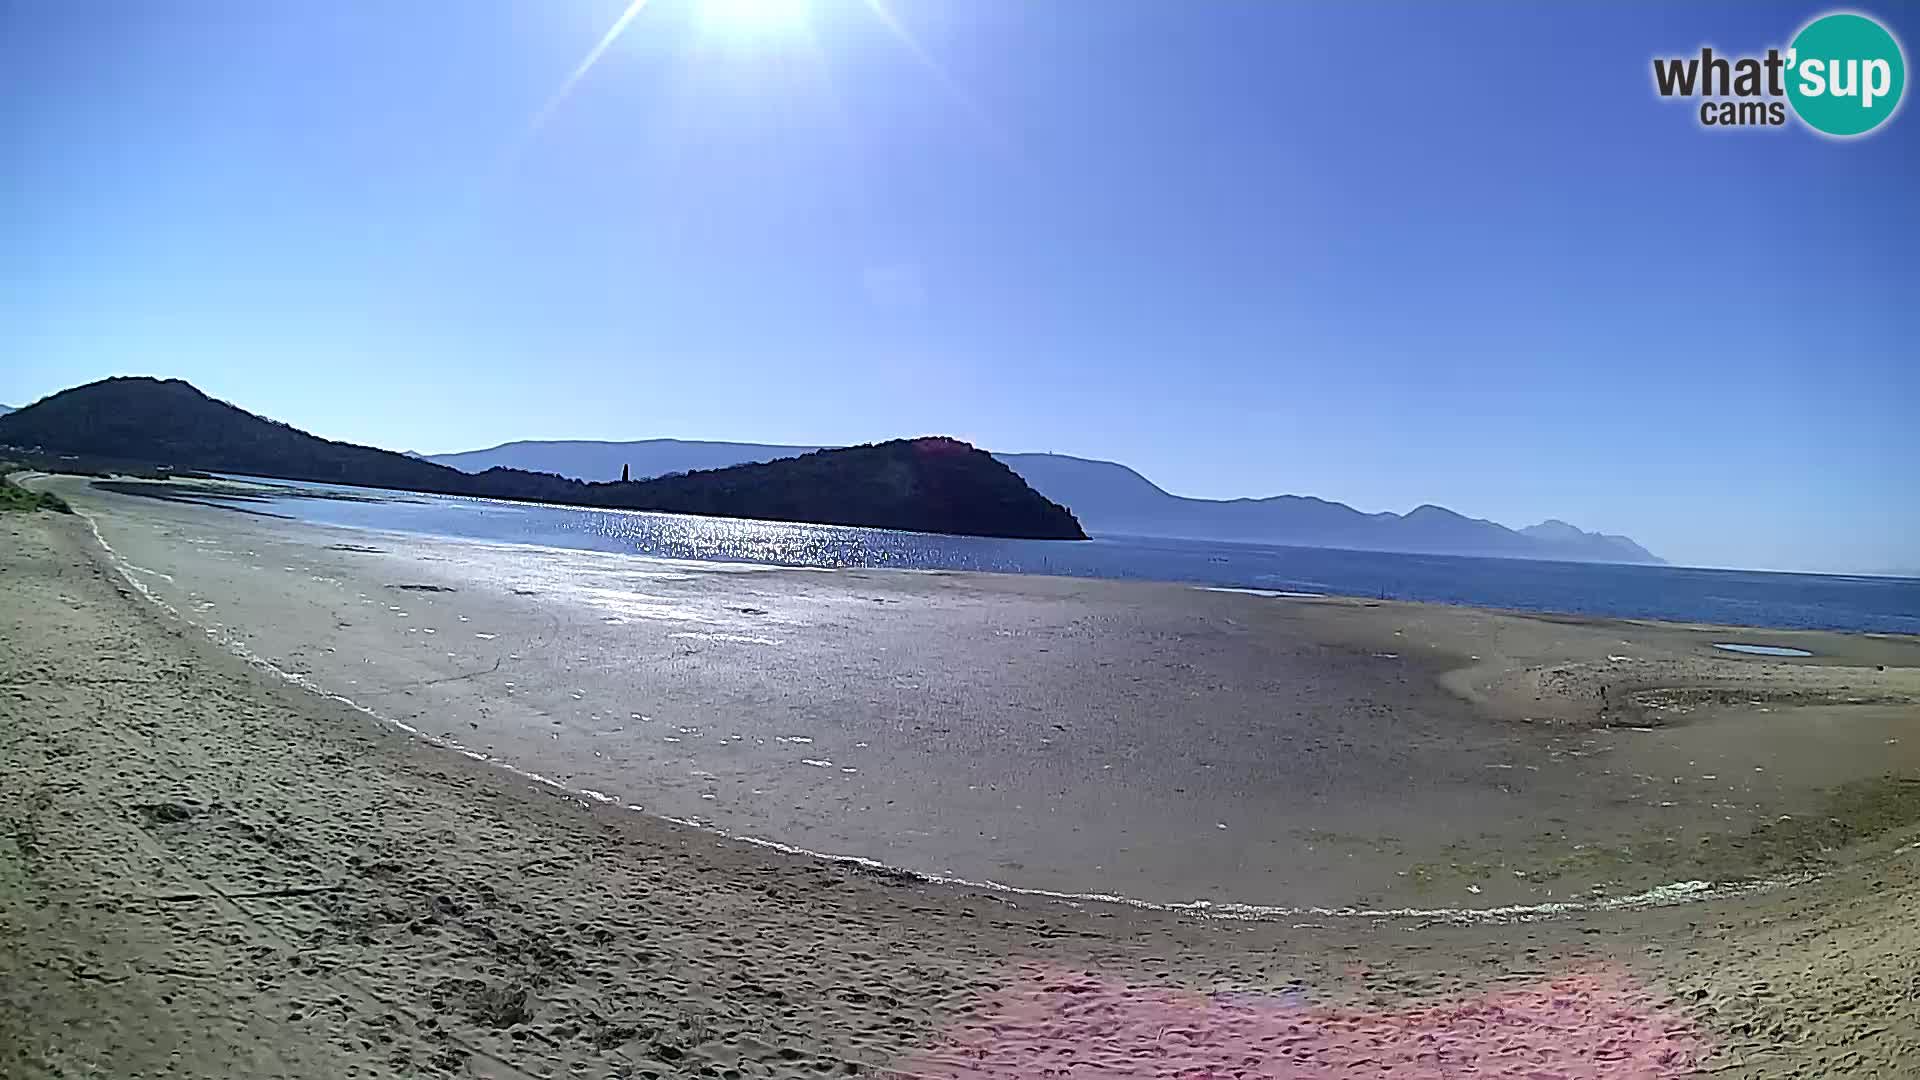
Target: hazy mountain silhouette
x,y
1111,498
589,460
929,485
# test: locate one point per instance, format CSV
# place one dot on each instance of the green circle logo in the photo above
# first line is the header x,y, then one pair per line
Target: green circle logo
x,y
1845,74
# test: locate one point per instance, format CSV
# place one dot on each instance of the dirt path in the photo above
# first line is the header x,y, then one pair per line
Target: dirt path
x,y
205,871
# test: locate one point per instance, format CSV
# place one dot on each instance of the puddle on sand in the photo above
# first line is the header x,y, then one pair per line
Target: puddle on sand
x,y
1271,593
1760,650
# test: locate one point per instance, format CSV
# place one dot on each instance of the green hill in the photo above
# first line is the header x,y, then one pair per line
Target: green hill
x,y
927,485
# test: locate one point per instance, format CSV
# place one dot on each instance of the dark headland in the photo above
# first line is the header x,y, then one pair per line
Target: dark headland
x,y
934,484
1109,497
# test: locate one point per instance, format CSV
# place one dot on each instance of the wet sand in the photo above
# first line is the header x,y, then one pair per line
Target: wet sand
x,y
207,871
1158,742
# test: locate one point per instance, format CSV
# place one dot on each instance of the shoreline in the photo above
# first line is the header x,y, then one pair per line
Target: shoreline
x,y
188,492
317,934
1664,895
1519,732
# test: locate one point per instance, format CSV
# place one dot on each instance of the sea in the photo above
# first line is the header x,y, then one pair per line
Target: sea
x,y
1681,594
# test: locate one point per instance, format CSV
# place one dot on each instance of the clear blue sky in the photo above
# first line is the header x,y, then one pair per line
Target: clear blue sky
x,y
1382,254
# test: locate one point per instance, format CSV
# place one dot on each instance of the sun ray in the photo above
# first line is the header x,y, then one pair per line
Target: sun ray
x,y
586,64
947,82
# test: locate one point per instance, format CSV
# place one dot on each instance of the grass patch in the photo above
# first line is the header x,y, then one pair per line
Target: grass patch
x,y
1853,813
15,497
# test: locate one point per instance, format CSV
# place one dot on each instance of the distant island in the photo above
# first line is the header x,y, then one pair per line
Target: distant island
x,y
1111,498
935,484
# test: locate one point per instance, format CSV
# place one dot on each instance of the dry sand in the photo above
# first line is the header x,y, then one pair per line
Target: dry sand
x,y
208,871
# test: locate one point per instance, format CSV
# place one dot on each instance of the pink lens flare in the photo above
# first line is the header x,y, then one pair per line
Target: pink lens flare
x,y
1055,1023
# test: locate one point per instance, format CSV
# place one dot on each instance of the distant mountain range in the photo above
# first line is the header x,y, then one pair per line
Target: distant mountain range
x,y
929,485
1111,498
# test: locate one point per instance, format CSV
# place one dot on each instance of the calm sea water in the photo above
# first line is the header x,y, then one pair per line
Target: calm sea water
x,y
1743,598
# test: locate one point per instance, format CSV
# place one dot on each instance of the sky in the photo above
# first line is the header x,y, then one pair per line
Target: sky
x,y
1385,254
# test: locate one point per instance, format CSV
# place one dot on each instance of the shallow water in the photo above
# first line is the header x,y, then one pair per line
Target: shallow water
x,y
1681,594
1760,650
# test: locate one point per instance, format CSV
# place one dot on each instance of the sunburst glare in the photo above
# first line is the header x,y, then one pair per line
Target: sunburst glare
x,y
752,16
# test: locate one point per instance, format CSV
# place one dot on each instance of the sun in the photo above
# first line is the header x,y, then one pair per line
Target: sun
x,y
752,16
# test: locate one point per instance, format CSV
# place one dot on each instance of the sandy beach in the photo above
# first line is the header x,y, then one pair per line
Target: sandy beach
x,y
1159,742
212,867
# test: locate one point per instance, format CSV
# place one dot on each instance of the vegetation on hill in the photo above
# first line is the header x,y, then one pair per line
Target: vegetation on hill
x,y
928,485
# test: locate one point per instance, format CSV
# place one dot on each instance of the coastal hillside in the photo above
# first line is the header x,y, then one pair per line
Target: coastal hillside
x,y
586,459
927,485
170,423
1108,497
